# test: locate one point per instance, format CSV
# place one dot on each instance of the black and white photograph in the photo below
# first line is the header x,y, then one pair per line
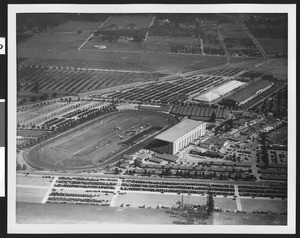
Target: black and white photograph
x,y
139,118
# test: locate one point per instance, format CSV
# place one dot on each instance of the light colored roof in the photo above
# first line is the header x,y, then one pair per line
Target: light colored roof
x,y
178,130
219,91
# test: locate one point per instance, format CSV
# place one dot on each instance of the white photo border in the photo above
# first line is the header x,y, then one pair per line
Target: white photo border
x,y
13,9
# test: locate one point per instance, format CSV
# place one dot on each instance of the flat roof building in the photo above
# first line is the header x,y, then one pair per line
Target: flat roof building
x,y
218,92
180,135
249,92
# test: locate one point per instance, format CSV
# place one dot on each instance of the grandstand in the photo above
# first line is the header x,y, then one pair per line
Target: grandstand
x,y
182,134
218,92
246,94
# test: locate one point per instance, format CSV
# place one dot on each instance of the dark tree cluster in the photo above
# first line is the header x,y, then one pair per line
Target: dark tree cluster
x,y
186,48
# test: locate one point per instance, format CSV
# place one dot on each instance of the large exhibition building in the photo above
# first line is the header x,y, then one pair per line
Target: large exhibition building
x,y
182,134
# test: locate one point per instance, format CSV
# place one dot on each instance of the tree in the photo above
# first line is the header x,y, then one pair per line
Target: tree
x,y
117,171
24,167
213,117
18,166
54,95
33,98
210,204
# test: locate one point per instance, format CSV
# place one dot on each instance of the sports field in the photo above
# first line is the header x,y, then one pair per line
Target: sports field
x,y
101,141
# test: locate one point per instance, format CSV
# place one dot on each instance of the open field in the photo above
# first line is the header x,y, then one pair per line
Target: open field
x,y
30,194
121,46
32,213
273,46
220,218
99,142
33,180
75,26
66,214
250,205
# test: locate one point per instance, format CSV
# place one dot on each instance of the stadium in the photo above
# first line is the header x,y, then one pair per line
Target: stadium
x,y
101,142
182,134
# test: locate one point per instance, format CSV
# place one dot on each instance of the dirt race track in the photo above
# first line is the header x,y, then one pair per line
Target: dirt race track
x,y
98,144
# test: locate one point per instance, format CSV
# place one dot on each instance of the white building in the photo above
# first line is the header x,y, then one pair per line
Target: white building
x,y
180,135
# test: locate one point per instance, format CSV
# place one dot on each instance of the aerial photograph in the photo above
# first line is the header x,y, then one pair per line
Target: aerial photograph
x,y
152,118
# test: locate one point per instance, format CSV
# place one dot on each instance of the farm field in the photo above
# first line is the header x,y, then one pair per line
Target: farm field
x,y
98,143
250,205
273,46
61,49
138,21
164,44
233,31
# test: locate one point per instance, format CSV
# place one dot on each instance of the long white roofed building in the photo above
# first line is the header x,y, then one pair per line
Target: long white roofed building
x,y
218,92
182,134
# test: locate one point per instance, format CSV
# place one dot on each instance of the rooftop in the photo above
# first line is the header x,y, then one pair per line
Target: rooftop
x,y
249,90
219,91
178,130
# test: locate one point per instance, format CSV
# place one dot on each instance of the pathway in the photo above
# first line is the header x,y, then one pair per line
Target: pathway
x,y
238,200
92,34
116,193
50,189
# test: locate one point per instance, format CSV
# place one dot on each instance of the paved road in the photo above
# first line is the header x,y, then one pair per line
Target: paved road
x,y
224,46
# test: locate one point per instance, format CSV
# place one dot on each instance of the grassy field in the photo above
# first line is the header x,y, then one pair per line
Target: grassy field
x,y
250,205
97,143
273,46
32,213
112,46
220,218
30,194
32,180
75,26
